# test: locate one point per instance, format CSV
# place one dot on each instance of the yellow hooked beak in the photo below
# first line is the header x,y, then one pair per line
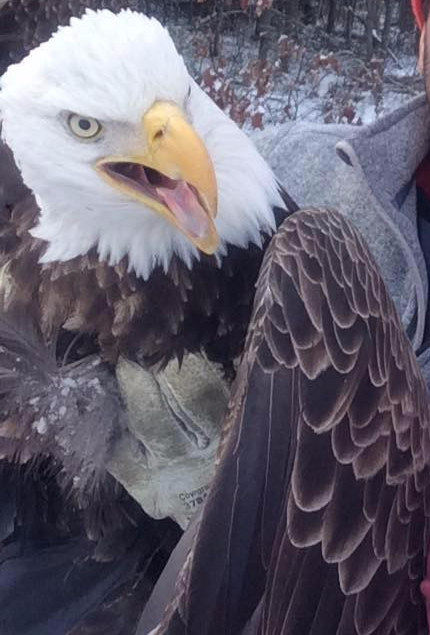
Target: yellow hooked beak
x,y
172,175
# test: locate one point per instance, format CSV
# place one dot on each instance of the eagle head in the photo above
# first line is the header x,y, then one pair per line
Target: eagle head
x,y
125,153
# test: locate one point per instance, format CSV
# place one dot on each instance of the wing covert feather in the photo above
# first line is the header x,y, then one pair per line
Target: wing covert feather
x,y
317,522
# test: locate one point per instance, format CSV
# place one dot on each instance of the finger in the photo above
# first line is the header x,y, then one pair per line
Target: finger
x,y
198,394
150,419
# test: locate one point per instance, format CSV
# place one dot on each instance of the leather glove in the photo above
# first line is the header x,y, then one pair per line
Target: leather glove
x,y
165,459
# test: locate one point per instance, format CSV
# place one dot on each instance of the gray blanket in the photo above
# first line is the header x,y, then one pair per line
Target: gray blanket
x,y
367,173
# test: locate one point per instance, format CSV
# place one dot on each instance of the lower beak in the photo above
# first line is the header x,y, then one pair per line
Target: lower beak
x,y
173,175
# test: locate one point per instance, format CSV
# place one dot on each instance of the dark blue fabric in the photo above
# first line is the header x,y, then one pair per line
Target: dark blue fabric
x,y
45,591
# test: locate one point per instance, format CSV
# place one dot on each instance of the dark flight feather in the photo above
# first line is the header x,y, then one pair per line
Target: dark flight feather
x,y
68,411
335,542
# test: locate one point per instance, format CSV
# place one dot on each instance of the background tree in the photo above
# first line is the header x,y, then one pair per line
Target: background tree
x,y
264,61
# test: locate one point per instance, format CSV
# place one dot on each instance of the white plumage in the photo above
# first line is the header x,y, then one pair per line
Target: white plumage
x,y
113,68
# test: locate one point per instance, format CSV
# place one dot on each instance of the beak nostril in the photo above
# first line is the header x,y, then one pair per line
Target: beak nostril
x,y
158,135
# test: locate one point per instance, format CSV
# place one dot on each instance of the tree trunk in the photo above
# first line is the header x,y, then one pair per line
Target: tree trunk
x,y
349,20
263,33
389,6
370,27
332,15
215,43
292,12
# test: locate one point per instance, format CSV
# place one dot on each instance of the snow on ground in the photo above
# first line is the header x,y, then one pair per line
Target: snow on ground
x,y
302,80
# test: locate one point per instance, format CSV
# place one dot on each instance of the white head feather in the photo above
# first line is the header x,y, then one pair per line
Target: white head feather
x,y
113,68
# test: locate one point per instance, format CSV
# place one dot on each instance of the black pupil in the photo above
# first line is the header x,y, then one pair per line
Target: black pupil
x,y
84,124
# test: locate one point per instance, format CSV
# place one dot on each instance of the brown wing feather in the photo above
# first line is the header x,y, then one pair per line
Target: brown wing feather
x,y
317,521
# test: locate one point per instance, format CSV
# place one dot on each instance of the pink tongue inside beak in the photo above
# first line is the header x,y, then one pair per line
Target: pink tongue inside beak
x,y
184,204
181,198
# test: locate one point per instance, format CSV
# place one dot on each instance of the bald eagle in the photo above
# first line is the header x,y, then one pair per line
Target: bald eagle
x,y
134,219
150,209
144,230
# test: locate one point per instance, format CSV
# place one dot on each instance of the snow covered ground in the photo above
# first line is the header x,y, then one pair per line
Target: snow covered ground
x,y
301,80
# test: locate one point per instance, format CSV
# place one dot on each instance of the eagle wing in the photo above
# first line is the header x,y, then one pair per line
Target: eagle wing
x,y
75,550
317,522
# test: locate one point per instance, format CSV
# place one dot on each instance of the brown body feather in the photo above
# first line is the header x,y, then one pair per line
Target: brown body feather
x,y
318,519
183,310
24,24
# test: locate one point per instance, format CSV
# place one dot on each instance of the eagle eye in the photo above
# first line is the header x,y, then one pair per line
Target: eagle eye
x,y
84,127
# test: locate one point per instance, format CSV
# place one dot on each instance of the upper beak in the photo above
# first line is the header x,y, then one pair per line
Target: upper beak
x,y
172,174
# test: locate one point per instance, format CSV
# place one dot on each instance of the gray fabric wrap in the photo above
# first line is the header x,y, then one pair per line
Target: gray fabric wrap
x,y
367,173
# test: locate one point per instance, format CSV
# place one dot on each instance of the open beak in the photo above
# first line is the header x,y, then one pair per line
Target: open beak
x,y
173,175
